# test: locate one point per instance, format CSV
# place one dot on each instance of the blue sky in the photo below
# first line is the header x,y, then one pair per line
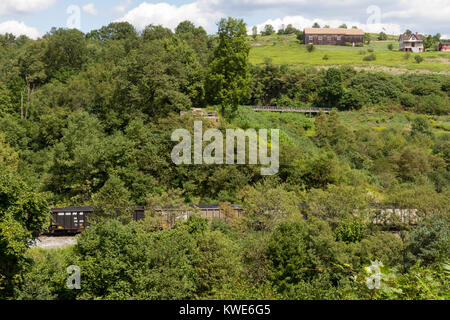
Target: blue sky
x,y
35,17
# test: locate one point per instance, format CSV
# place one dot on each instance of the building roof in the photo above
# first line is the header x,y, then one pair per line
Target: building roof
x,y
138,208
406,37
338,31
74,209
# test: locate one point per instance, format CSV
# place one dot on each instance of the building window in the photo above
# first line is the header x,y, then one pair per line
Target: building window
x,y
320,38
311,37
339,37
329,38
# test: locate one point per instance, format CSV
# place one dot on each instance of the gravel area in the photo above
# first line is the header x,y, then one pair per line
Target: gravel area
x,y
53,242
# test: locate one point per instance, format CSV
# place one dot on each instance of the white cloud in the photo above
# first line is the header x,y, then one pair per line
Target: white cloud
x,y
90,8
122,7
19,28
171,15
395,16
300,22
20,7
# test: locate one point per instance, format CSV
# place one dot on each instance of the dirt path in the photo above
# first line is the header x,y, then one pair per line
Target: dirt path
x,y
46,242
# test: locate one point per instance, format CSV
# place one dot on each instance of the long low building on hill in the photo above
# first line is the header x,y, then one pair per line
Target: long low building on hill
x,y
332,36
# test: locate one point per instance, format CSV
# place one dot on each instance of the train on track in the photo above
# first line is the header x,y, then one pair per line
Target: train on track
x,y
74,219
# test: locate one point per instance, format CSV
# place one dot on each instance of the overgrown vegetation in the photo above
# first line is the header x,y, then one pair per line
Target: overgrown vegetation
x,y
87,119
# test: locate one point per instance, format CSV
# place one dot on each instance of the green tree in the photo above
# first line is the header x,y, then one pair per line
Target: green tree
x,y
66,52
216,262
23,214
268,30
228,77
382,36
123,262
254,32
114,31
33,71
152,32
332,88
267,204
112,201
429,242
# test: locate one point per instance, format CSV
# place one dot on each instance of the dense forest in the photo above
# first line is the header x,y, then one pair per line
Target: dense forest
x,y
86,119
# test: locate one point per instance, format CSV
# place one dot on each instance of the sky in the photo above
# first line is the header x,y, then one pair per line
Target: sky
x,y
34,18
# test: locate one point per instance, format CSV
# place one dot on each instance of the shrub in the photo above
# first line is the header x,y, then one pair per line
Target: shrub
x,y
429,242
446,86
408,100
390,46
350,231
325,57
310,47
418,59
433,104
425,88
370,50
359,44
351,100
382,36
370,57
349,44
362,52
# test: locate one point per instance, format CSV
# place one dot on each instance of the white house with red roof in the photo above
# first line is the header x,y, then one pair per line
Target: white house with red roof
x,y
411,42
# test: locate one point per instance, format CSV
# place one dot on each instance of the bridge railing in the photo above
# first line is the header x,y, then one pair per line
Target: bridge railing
x,y
290,109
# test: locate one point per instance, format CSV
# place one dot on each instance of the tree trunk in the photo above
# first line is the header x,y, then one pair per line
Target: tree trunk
x,y
21,104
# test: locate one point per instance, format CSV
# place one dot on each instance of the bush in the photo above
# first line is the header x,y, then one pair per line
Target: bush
x,y
325,57
418,59
382,36
433,104
370,57
429,242
310,47
425,88
390,46
446,86
351,231
300,251
370,50
359,44
408,100
351,100
123,262
362,52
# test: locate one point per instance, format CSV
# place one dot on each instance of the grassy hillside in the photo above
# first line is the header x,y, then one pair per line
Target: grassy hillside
x,y
286,49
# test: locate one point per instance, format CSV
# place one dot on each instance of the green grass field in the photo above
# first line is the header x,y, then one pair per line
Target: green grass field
x,y
379,120
286,49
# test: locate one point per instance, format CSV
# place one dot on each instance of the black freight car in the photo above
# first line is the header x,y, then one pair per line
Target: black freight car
x,y
74,219
70,219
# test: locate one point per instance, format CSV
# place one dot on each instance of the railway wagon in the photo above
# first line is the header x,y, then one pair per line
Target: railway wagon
x,y
74,219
